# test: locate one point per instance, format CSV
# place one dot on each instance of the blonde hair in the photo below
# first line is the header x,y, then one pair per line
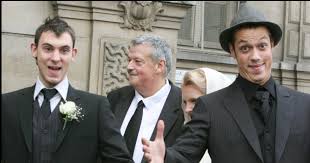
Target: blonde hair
x,y
197,78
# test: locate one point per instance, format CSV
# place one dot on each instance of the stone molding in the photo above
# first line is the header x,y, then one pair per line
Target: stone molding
x,y
140,15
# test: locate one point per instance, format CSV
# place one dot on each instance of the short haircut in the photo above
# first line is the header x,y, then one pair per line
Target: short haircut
x,y
56,25
161,49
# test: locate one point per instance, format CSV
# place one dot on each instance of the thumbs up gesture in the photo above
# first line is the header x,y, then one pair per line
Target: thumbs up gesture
x,y
154,151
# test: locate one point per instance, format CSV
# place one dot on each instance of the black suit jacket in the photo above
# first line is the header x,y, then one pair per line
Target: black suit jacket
x,y
171,113
81,142
222,124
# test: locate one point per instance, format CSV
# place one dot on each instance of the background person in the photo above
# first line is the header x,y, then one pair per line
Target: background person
x,y
196,83
199,82
149,63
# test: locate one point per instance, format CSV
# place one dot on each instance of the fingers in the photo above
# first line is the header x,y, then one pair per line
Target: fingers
x,y
147,157
160,130
146,145
145,142
146,150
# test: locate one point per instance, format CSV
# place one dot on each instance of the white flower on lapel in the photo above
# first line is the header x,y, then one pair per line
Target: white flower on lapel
x,y
70,111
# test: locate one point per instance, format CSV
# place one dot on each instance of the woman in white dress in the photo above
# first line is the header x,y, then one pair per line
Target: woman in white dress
x,y
196,83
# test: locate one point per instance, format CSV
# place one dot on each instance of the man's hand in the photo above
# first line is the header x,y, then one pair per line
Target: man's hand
x,y
154,151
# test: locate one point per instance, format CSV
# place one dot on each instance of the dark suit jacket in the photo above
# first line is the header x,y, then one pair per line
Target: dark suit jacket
x,y
222,124
171,113
81,142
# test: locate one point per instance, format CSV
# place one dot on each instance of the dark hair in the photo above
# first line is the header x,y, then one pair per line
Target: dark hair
x,y
56,25
232,38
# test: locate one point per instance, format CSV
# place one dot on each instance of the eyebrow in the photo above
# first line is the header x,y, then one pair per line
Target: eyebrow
x,y
48,44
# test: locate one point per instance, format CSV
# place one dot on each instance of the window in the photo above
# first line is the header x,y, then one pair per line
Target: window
x,y
203,23
185,34
215,17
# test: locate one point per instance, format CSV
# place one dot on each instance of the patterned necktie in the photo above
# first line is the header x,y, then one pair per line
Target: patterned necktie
x,y
133,127
262,107
46,106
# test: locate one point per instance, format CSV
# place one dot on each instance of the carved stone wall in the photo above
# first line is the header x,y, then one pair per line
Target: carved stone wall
x,y
114,52
140,15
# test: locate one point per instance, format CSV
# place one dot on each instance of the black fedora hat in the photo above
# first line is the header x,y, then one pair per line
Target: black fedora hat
x,y
247,15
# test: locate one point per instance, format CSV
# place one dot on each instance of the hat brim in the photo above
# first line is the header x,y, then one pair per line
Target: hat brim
x,y
227,34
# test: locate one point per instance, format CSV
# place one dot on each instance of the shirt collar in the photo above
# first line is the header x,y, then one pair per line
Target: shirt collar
x,y
154,99
270,86
61,87
250,88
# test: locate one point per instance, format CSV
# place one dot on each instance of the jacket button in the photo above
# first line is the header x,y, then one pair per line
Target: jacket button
x,y
44,131
268,147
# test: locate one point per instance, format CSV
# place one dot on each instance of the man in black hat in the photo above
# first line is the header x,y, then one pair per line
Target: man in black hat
x,y
254,120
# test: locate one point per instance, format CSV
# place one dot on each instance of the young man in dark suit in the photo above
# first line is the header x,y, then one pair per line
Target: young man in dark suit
x,y
254,120
33,128
149,62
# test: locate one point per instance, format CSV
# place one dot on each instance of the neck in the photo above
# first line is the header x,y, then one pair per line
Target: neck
x,y
154,87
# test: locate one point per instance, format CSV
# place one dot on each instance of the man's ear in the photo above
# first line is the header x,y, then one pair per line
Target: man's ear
x,y
272,43
34,50
232,51
74,53
161,65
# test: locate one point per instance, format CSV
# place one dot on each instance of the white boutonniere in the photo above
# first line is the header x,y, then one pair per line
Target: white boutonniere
x,y
70,111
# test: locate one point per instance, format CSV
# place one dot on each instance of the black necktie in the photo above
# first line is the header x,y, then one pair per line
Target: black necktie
x,y
133,127
46,106
263,107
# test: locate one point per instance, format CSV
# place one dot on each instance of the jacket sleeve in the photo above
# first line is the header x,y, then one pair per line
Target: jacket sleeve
x,y
111,143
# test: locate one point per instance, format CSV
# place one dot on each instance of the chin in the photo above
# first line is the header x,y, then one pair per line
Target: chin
x,y
133,80
259,80
54,81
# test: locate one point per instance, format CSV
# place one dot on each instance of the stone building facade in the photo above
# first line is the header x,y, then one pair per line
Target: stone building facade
x,y
104,29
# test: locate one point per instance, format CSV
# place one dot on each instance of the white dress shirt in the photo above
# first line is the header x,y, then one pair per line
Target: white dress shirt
x,y
151,111
61,87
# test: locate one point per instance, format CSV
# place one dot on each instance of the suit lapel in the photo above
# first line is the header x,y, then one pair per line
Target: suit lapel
x,y
236,104
169,112
25,107
72,96
123,106
284,116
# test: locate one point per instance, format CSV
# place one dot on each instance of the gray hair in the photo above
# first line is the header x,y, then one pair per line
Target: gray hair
x,y
161,48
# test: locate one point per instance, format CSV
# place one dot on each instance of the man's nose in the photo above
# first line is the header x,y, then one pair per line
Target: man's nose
x,y
130,65
56,55
255,56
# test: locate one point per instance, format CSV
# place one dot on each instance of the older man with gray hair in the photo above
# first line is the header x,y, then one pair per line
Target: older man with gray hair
x,y
150,96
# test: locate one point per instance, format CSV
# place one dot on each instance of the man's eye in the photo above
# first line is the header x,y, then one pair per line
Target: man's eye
x,y
244,48
48,49
138,62
262,46
65,50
